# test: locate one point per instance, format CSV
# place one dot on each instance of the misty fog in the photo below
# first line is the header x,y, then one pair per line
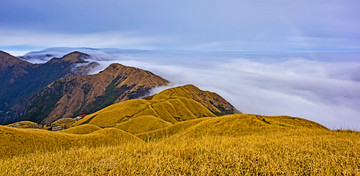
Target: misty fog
x,y
326,92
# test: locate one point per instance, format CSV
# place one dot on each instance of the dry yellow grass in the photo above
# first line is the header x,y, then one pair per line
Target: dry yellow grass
x,y
143,124
293,152
171,110
230,125
171,130
81,129
211,100
227,145
172,105
23,141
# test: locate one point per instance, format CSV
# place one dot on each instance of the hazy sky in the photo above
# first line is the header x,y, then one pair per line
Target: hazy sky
x,y
235,25
272,78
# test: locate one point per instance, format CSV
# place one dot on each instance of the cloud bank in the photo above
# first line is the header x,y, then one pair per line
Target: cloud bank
x,y
325,92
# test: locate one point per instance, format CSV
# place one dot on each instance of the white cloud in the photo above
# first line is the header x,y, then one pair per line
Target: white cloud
x,y
325,92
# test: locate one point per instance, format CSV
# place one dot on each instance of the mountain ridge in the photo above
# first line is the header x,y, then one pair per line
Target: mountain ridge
x,y
172,105
19,80
85,94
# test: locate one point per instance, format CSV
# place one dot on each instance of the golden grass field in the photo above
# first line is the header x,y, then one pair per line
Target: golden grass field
x,y
82,129
172,105
226,145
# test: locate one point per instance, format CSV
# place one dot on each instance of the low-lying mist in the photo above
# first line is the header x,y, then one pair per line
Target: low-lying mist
x,y
327,92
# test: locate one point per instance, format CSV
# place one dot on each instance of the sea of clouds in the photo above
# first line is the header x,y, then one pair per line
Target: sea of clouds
x,y
327,92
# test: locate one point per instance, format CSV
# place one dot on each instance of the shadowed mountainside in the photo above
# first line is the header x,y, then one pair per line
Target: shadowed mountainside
x,y
19,80
86,94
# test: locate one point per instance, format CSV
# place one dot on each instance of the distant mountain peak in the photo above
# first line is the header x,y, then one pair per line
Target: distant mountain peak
x,y
73,57
78,53
7,60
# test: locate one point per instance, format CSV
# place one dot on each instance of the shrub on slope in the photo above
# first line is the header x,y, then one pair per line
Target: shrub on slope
x,y
25,124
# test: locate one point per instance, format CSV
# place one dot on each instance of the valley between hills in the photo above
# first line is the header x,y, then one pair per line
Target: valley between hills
x,y
57,119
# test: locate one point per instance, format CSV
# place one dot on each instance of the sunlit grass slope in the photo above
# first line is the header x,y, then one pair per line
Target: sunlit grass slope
x,y
143,124
214,102
297,148
16,141
81,129
244,124
171,130
172,105
232,125
171,110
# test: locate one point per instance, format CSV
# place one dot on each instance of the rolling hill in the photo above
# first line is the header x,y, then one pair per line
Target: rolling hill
x,y
82,129
143,124
239,144
15,141
147,128
171,105
214,102
179,131
231,125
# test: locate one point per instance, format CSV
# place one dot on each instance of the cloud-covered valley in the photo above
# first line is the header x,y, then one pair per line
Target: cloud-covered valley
x,y
323,91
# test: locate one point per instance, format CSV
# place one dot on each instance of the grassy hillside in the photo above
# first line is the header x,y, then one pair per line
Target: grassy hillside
x,y
171,130
227,145
171,110
214,102
231,125
82,129
143,124
171,105
16,141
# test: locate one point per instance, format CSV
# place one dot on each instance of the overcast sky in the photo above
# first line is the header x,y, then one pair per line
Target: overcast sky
x,y
279,57
226,25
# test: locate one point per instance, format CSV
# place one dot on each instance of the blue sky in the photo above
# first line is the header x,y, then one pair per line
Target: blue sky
x,y
226,25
